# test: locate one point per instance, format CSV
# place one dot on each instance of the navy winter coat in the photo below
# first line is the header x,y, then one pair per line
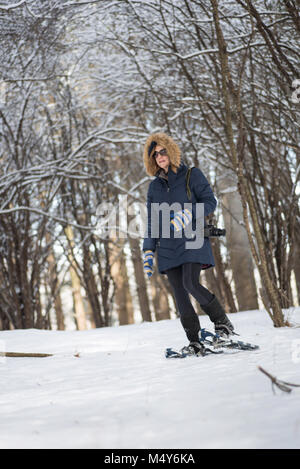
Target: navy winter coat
x,y
172,252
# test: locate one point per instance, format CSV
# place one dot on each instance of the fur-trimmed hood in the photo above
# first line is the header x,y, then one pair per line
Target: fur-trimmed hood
x,y
166,142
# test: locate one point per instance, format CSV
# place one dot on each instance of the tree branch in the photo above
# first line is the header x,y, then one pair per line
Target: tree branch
x,y
283,385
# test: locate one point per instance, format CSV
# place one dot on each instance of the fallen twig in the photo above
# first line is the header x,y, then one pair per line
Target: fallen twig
x,y
31,355
25,354
283,385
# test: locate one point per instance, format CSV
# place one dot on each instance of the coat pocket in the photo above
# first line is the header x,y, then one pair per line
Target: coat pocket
x,y
165,247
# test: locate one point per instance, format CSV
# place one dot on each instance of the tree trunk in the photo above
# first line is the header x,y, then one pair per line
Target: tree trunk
x,y
237,244
137,260
159,297
120,276
296,267
222,281
53,286
75,282
91,288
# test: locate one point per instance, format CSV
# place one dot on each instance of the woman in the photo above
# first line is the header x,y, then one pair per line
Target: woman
x,y
162,159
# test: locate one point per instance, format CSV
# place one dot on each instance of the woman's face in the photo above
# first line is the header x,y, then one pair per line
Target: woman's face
x,y
163,160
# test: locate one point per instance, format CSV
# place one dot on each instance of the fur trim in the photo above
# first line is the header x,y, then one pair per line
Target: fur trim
x,y
166,142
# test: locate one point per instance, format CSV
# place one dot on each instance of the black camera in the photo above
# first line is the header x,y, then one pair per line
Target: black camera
x,y
211,231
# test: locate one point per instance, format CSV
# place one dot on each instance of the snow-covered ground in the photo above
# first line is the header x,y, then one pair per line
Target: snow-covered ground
x,y
123,393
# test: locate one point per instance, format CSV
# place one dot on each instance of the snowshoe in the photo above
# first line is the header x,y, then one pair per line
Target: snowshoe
x,y
210,343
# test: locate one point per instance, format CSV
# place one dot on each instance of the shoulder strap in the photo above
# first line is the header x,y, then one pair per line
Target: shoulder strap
x,y
187,181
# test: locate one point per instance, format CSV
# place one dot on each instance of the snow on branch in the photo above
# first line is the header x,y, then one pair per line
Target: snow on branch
x,y
45,214
13,6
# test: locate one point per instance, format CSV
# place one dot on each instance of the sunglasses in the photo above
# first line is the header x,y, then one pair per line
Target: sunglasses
x,y
162,152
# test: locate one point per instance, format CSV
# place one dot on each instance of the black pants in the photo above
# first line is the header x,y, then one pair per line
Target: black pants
x,y
184,280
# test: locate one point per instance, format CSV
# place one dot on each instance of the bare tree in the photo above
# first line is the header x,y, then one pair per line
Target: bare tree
x,y
76,104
